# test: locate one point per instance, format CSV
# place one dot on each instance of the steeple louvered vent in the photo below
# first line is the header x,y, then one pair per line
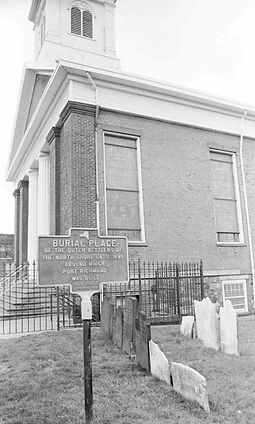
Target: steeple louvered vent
x,y
87,24
75,21
81,22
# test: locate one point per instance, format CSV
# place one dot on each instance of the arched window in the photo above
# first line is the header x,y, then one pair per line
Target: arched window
x,y
75,21
81,22
87,26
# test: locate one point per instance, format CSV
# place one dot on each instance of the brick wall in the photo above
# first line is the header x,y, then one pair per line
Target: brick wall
x,y
177,191
175,161
176,179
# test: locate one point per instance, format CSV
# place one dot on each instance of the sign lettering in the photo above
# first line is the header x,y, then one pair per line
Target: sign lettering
x,y
82,259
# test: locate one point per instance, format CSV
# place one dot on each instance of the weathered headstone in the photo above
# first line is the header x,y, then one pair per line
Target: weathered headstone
x,y
142,338
130,313
187,326
159,364
107,315
229,329
207,323
118,328
190,384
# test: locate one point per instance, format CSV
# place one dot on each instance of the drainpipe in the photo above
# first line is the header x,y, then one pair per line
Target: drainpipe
x,y
96,143
247,207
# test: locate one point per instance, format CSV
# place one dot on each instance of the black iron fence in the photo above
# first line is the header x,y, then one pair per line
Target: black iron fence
x,y
165,291
25,307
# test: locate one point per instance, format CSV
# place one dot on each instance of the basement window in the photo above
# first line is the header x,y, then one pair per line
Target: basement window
x,y
81,22
236,292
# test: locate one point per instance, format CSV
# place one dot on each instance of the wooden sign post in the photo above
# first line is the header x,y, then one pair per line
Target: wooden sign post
x,y
83,260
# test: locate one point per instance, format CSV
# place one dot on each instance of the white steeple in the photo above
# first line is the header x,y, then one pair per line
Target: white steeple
x,y
80,31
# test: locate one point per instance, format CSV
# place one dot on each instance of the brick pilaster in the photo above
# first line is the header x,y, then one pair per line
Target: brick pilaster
x,y
23,221
77,167
16,194
53,139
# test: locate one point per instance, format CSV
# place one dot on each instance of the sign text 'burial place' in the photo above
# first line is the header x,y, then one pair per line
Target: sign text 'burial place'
x,y
82,259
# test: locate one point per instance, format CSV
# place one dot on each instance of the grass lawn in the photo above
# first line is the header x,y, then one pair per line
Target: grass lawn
x,y
41,381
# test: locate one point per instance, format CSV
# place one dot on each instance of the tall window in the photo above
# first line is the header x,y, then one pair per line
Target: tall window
x,y
226,197
123,187
81,22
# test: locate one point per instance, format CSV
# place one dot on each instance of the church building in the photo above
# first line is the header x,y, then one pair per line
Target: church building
x,y
95,147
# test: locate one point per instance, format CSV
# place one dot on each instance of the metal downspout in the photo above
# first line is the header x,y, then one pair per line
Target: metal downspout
x,y
96,143
246,206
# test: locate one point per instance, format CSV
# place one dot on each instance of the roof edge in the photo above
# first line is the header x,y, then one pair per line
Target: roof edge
x,y
33,10
157,86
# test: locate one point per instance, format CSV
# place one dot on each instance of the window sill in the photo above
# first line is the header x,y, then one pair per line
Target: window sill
x,y
82,36
221,244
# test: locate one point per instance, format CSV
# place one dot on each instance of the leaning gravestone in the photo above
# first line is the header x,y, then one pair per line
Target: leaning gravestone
x,y
159,363
118,328
190,384
107,314
130,313
142,338
207,322
187,326
228,329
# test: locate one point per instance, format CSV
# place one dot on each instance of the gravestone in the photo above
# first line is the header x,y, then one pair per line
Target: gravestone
x,y
159,363
190,384
207,323
107,315
229,329
187,326
142,338
200,310
118,328
130,314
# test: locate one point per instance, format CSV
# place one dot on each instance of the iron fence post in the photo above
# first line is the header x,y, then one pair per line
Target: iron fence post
x,y
51,309
178,290
202,279
34,284
140,283
58,317
63,308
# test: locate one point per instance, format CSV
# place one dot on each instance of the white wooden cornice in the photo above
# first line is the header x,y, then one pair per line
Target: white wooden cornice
x,y
125,93
147,87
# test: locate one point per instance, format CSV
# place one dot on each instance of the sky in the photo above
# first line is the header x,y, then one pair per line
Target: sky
x,y
204,45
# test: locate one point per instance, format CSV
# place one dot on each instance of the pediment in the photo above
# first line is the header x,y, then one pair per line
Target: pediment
x,y
41,80
33,84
